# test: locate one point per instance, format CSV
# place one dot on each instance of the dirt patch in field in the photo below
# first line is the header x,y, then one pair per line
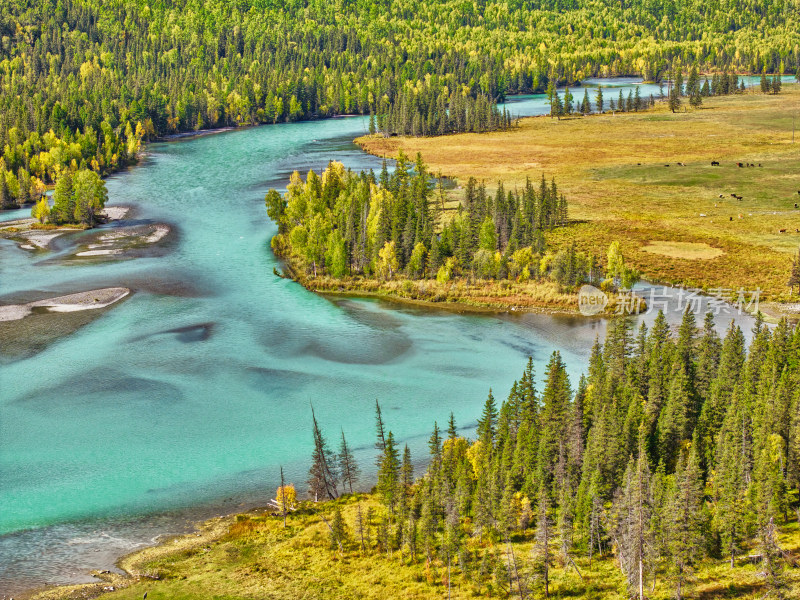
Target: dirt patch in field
x,y
684,250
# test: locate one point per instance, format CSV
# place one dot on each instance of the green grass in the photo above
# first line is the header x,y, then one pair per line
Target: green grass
x,y
251,556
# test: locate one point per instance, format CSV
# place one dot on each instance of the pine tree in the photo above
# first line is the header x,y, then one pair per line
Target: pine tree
x,y
553,419
63,200
632,530
337,530
389,475
776,84
380,444
707,358
732,478
487,424
24,184
544,533
685,520
362,528
675,424
731,363
599,99
347,466
322,475
674,101
407,471
586,106
452,432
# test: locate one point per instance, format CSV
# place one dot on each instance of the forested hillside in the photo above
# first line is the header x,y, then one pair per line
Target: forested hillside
x,y
83,80
674,448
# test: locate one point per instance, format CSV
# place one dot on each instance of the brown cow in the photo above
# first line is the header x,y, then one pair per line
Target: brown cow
x,y
782,231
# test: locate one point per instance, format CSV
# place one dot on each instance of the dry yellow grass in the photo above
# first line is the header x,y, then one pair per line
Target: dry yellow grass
x,y
686,250
613,171
459,295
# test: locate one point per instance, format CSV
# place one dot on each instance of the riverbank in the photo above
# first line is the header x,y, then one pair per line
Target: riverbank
x,y
251,555
461,295
646,180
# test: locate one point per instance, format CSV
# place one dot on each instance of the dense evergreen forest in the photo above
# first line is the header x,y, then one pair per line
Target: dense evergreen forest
x,y
676,446
84,81
345,223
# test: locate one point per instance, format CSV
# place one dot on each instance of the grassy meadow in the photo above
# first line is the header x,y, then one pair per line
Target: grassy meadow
x,y
671,222
252,556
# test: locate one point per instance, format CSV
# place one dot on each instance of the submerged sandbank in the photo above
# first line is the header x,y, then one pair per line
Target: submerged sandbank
x,y
88,300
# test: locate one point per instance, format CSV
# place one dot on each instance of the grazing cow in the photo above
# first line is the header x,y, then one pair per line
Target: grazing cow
x,y
795,204
733,195
741,216
731,218
666,165
782,231
714,163
740,165
721,196
759,164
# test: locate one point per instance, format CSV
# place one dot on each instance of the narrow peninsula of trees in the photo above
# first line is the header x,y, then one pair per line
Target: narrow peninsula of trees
x,y
397,225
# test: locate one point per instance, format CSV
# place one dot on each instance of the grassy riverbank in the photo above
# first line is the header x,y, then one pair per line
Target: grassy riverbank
x,y
458,295
670,220
253,556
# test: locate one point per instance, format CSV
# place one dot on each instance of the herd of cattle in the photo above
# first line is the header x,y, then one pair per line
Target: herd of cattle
x,y
716,163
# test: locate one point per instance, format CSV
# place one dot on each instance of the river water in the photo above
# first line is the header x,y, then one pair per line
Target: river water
x,y
131,427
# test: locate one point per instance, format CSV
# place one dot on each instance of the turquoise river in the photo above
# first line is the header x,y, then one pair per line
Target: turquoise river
x,y
135,426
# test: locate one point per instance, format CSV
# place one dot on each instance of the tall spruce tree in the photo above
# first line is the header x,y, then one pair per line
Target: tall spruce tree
x,y
322,474
685,525
348,467
389,475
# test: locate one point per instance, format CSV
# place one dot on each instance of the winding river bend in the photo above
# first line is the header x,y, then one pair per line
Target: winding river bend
x,y
182,402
